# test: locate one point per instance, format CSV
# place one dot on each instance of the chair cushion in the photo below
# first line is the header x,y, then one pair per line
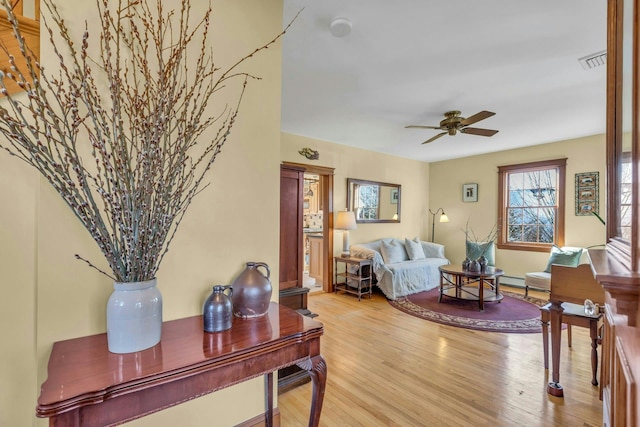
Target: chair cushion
x,y
538,280
564,256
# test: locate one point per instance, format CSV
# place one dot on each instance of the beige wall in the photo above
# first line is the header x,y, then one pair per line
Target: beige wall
x,y
447,177
49,296
351,162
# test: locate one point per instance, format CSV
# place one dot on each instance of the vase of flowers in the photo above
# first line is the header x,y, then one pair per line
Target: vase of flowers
x,y
125,133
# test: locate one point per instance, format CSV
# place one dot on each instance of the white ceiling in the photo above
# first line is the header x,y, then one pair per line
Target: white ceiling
x,y
409,61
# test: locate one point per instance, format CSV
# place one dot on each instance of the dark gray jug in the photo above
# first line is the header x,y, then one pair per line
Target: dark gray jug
x,y
218,308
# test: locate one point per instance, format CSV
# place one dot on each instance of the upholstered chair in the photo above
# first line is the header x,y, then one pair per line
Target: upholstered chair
x,y
541,280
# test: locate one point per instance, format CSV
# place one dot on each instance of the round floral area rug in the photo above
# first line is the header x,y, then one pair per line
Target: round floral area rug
x,y
515,313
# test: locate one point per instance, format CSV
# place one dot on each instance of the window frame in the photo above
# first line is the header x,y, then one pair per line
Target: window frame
x,y
503,171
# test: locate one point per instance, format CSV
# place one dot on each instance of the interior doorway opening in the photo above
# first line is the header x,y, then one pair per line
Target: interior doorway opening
x,y
317,227
313,231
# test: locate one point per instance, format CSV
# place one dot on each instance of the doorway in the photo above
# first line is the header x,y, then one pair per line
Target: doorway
x,y
317,227
313,230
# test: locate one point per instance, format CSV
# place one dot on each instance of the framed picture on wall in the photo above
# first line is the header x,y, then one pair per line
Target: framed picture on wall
x,y
587,190
470,193
394,196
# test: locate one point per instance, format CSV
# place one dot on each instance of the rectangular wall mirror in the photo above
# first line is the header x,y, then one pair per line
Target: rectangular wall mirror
x,y
373,201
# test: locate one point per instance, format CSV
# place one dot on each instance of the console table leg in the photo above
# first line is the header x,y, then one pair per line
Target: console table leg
x,y
555,316
593,329
268,393
317,368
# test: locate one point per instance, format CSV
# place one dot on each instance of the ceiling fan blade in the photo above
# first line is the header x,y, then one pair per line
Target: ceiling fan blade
x,y
421,127
478,131
434,138
476,118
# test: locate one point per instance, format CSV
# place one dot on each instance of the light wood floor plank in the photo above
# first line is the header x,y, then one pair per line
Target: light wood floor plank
x,y
387,368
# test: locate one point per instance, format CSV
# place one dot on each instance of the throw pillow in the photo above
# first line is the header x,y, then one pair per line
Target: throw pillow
x,y
414,250
564,256
475,249
431,250
392,252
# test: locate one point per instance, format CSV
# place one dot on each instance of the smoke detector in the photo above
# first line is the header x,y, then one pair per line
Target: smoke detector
x,y
340,27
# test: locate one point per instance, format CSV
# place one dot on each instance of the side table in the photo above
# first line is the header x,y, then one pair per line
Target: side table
x,y
356,277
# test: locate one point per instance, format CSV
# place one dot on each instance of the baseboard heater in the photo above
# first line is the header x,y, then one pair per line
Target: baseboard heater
x,y
517,282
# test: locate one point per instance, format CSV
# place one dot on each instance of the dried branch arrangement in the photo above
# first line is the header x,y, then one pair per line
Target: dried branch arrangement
x,y
470,236
128,156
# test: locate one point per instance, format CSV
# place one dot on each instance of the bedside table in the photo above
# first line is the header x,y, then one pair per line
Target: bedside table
x,y
355,277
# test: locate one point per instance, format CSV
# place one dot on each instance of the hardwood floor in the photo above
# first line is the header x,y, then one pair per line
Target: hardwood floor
x,y
387,368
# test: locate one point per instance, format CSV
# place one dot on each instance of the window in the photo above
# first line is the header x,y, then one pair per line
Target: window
x,y
531,205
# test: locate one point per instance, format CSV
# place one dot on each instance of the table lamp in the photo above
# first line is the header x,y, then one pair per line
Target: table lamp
x,y
345,221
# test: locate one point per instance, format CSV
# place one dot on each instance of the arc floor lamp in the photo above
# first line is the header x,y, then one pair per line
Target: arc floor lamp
x,y
443,218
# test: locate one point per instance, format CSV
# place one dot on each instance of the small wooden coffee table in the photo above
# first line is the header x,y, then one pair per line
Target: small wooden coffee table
x,y
455,282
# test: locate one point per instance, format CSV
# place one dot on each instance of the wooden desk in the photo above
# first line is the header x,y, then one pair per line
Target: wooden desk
x,y
573,314
88,386
573,285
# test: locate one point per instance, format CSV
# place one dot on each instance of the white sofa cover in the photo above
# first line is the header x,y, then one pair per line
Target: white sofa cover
x,y
406,277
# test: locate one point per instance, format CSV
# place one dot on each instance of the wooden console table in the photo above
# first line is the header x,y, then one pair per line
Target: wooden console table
x,y
88,386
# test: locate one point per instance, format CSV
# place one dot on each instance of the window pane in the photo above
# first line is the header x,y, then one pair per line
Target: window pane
x,y
516,198
516,181
515,216
625,201
515,234
530,216
515,189
530,233
547,216
546,234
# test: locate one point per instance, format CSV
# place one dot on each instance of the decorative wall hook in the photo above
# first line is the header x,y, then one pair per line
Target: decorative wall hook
x,y
309,153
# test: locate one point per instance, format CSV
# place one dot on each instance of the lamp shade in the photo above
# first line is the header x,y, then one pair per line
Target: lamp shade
x,y
346,220
444,217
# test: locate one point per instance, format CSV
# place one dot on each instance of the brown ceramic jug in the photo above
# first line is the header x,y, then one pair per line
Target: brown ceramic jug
x,y
252,291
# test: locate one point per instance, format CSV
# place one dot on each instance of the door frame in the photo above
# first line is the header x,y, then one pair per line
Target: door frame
x,y
326,179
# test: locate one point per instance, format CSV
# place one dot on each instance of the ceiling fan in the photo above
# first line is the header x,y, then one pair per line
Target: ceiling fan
x,y
454,123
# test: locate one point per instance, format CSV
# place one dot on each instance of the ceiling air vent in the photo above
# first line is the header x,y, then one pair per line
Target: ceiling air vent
x,y
594,60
